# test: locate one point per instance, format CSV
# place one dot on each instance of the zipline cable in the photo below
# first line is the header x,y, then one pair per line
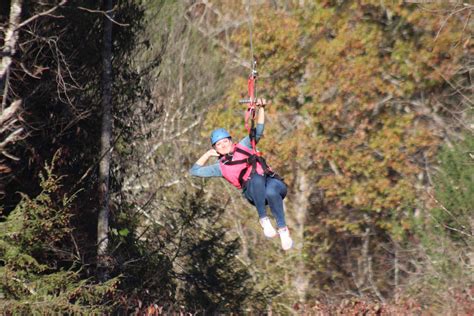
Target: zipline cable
x,y
251,85
253,62
252,57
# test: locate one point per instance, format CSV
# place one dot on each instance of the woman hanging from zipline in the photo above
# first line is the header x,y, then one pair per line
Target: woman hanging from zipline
x,y
243,166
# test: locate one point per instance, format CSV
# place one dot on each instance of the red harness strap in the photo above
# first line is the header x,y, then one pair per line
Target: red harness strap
x,y
250,114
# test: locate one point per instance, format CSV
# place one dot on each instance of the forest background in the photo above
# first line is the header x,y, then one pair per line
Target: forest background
x,y
105,107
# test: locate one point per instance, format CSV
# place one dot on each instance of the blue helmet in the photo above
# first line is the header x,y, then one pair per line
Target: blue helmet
x,y
219,134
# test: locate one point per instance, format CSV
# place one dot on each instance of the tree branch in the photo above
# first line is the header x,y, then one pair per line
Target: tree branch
x,y
48,12
105,13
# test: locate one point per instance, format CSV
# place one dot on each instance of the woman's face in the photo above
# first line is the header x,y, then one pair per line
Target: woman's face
x,y
224,146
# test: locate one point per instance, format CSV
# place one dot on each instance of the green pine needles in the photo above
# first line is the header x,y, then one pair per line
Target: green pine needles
x,y
454,189
37,263
443,276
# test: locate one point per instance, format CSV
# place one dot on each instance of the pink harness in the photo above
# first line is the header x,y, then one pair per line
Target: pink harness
x,y
236,168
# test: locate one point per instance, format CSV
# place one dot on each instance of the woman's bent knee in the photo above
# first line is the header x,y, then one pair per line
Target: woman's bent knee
x,y
271,194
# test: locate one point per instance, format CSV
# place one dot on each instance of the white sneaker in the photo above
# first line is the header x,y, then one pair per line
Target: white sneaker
x,y
268,229
286,241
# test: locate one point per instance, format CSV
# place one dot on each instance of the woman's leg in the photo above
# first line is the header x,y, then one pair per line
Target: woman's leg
x,y
255,193
275,192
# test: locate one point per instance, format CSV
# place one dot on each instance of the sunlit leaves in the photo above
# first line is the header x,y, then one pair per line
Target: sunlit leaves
x,y
353,86
349,67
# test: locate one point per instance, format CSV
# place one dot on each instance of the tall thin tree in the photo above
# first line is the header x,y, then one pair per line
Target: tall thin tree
x,y
106,140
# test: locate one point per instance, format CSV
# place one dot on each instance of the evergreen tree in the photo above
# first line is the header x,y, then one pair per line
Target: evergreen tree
x,y
454,190
39,258
442,276
186,258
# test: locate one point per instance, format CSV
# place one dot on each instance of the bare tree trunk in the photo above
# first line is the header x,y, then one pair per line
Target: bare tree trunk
x,y
396,272
364,264
8,50
10,130
106,141
300,209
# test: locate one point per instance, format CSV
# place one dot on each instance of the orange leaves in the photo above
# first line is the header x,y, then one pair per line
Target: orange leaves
x,y
371,168
276,37
339,79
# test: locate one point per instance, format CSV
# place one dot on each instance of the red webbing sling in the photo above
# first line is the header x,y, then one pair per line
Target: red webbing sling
x,y
251,102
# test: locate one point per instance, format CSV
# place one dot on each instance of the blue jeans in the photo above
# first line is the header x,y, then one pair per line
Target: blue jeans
x,y
262,190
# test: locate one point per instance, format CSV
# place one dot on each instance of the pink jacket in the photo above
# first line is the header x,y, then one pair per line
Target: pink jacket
x,y
232,172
